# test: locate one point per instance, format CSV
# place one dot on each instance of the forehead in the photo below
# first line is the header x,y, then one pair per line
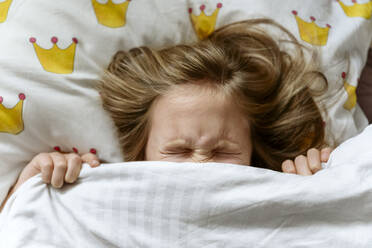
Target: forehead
x,y
192,99
190,111
196,92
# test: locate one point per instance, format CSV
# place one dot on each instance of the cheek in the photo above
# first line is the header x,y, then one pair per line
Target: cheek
x,y
150,152
247,157
177,159
244,159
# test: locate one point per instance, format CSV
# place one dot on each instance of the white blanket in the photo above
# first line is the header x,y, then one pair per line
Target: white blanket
x,y
160,204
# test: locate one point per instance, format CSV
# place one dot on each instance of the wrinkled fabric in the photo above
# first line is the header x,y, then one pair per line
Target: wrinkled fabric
x,y
65,111
164,204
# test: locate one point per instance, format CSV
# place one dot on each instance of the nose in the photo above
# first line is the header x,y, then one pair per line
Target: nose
x,y
202,158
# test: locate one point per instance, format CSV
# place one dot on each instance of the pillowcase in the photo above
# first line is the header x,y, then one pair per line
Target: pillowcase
x,y
53,53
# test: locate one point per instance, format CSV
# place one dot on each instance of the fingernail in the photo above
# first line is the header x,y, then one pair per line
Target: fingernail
x,y
94,163
58,186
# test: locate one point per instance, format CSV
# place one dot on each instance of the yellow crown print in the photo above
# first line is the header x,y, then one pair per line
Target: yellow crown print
x,y
4,8
56,60
11,119
351,94
204,25
110,14
357,10
312,33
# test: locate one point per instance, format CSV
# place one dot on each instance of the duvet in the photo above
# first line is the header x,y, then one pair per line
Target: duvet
x,y
164,204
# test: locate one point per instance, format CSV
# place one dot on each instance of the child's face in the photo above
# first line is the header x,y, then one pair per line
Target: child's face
x,y
194,124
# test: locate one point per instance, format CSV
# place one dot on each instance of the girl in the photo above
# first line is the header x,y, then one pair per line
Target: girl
x,y
240,96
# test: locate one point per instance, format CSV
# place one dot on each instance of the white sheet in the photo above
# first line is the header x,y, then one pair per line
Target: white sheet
x,y
160,204
64,110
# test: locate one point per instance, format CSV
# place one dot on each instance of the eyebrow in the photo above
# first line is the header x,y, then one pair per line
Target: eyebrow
x,y
227,143
177,143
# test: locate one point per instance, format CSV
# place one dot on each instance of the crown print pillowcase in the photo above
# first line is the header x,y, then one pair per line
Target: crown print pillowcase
x,y
53,53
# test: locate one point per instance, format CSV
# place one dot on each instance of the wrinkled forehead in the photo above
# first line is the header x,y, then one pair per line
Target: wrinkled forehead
x,y
193,97
196,110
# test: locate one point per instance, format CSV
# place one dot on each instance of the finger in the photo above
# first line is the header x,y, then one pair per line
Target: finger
x,y
313,158
288,167
302,166
59,171
91,159
74,163
325,153
45,162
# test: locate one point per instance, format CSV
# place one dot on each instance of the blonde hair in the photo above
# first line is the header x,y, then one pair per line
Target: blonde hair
x,y
273,86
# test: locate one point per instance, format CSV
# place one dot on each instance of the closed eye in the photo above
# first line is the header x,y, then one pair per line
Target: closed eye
x,y
176,152
226,153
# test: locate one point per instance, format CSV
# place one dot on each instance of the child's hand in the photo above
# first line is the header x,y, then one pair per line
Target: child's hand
x,y
57,168
307,165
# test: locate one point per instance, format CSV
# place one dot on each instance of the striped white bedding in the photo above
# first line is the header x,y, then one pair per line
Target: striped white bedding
x,y
161,204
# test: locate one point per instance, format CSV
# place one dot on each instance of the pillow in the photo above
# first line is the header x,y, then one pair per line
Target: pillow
x,y
53,53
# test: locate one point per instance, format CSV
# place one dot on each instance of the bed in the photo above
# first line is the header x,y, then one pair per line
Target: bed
x,y
52,56
164,204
